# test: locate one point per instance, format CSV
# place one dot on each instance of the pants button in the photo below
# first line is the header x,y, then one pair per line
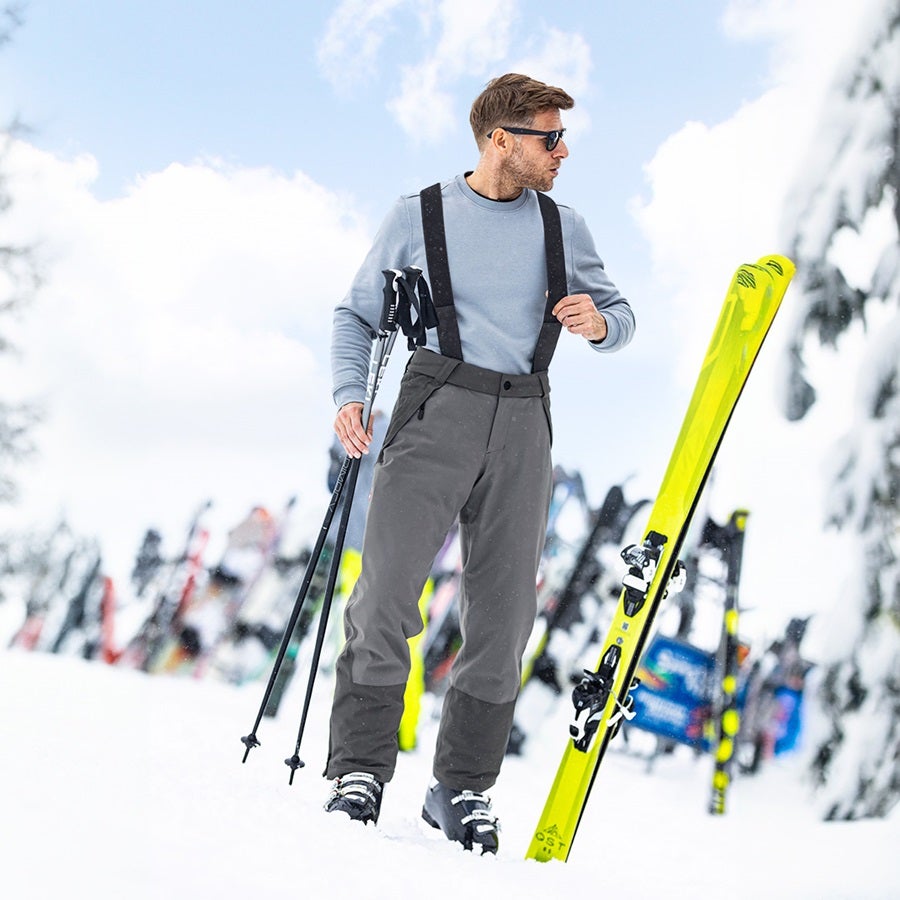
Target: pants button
x,y
507,385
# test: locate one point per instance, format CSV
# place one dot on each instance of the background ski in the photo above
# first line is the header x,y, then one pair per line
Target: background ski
x,y
750,306
179,580
730,540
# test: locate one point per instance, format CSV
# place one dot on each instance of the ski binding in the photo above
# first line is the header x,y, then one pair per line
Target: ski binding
x,y
642,561
590,697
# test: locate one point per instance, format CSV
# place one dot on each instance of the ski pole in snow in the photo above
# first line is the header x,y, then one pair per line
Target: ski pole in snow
x,y
403,290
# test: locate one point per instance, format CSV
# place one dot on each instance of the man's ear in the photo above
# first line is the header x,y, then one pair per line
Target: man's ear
x,y
502,140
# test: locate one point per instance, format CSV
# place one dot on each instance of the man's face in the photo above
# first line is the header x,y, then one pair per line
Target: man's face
x,y
531,164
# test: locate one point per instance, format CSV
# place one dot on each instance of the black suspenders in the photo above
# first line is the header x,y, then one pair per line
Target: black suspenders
x,y
556,283
442,289
439,270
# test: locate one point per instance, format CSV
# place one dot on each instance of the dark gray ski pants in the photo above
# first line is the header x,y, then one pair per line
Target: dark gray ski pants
x,y
463,441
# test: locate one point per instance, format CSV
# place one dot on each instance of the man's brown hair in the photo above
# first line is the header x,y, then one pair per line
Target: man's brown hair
x,y
513,99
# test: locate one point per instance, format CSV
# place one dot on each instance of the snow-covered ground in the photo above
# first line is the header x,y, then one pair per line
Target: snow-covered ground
x,y
114,784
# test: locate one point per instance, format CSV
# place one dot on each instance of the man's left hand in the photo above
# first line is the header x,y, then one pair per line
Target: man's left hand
x,y
578,315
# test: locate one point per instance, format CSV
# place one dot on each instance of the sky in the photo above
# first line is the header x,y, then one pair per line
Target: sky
x,y
202,180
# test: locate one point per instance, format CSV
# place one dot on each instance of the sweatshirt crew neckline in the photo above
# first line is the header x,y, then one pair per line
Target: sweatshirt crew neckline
x,y
485,202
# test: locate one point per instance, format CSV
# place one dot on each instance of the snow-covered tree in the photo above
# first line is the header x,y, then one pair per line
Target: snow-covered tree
x,y
18,280
843,226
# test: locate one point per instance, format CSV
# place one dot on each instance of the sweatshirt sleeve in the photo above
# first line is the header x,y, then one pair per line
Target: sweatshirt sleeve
x,y
357,316
587,275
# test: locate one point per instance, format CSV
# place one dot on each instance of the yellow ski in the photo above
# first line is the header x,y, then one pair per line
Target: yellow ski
x,y
602,698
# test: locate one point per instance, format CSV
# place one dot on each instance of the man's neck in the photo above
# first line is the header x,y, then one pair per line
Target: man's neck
x,y
492,186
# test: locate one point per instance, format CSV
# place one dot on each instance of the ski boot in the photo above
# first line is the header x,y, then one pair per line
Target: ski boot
x,y
463,816
357,794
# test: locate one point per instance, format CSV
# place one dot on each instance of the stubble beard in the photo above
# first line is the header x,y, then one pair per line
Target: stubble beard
x,y
528,174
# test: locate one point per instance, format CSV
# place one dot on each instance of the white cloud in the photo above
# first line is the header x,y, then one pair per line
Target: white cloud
x,y
562,58
453,40
475,32
473,37
353,37
423,109
807,40
716,201
718,191
180,345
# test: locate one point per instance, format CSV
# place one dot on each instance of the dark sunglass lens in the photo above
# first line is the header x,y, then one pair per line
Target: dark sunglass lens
x,y
553,139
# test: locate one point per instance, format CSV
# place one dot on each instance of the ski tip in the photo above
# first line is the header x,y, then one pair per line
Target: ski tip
x,y
778,265
772,271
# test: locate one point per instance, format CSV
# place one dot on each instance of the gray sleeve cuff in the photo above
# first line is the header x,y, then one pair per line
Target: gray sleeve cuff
x,y
348,394
613,339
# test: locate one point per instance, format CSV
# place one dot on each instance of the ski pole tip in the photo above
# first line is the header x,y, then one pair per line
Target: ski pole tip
x,y
293,763
249,741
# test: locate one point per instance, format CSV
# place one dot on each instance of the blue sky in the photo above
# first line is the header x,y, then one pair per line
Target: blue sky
x,y
140,85
202,180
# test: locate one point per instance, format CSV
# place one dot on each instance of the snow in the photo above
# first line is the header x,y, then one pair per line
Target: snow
x,y
117,784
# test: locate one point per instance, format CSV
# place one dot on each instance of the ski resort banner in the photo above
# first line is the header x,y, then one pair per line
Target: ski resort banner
x,y
674,698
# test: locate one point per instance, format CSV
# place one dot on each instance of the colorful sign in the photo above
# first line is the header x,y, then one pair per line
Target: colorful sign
x,y
674,698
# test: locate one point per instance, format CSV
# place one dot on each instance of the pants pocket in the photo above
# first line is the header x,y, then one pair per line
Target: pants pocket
x,y
545,402
415,389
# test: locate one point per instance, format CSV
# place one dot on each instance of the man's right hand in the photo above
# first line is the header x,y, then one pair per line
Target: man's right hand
x,y
349,429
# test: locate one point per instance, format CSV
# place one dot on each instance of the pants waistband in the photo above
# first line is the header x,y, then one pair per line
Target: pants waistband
x,y
446,370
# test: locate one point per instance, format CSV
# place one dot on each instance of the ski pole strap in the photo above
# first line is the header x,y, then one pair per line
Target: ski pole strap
x,y
439,270
414,295
404,291
557,287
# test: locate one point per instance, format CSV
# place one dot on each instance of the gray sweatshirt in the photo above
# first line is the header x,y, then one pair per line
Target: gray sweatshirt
x,y
499,276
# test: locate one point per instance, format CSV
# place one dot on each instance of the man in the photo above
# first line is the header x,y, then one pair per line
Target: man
x,y
470,437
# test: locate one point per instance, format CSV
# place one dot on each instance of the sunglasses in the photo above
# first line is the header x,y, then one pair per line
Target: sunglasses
x,y
553,137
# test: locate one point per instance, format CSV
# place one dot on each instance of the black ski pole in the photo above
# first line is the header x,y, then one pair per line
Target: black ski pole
x,y
294,762
250,740
414,296
394,296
